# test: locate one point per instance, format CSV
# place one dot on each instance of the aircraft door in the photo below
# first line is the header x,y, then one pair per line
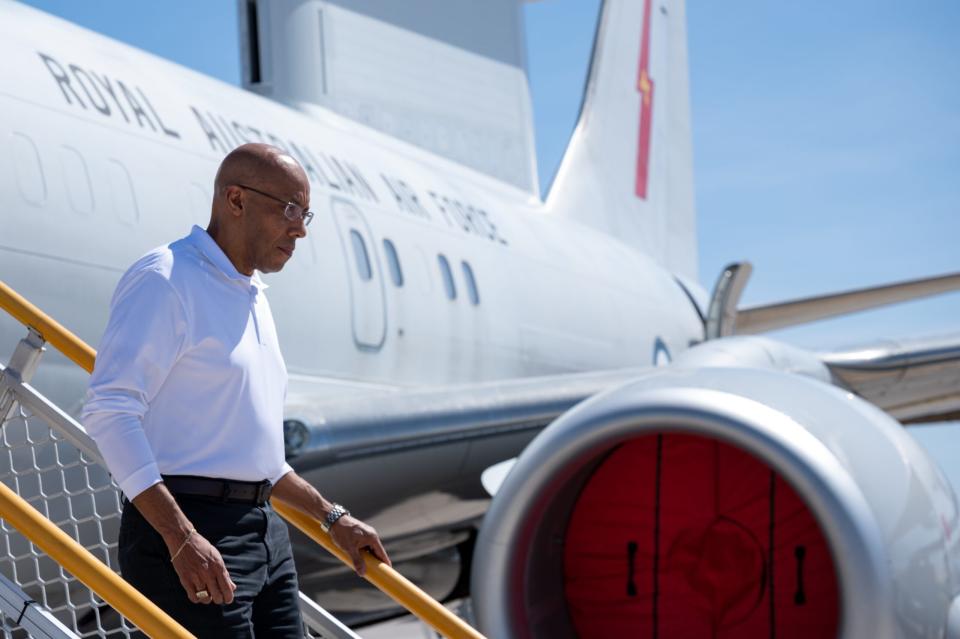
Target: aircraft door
x,y
367,312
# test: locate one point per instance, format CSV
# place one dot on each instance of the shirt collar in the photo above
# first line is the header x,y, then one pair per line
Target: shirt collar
x,y
215,255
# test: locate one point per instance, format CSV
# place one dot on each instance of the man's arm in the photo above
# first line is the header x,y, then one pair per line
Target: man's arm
x,y
198,563
144,336
352,535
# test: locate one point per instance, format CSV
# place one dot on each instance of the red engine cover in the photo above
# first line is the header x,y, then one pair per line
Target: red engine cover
x,y
681,536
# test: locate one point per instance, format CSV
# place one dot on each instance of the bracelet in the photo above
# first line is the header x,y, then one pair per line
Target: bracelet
x,y
183,545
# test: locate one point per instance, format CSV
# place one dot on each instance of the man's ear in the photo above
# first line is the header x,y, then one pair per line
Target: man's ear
x,y
234,197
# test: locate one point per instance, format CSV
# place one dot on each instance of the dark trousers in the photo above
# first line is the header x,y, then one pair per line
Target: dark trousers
x,y
255,546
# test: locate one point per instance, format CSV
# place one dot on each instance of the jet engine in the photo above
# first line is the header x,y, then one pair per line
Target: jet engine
x,y
721,502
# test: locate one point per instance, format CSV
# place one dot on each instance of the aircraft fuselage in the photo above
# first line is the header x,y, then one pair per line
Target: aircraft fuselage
x,y
416,272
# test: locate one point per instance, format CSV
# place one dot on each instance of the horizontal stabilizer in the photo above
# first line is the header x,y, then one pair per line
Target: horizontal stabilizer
x,y
759,319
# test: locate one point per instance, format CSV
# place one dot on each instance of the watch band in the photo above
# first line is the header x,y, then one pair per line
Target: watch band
x,y
333,517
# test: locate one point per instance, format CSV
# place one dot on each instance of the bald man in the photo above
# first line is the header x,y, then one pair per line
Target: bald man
x,y
186,406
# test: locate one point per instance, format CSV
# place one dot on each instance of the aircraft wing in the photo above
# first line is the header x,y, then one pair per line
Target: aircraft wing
x,y
915,380
325,433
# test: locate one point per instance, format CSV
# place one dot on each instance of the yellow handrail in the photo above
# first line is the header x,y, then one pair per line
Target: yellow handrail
x,y
388,580
78,351
78,561
379,574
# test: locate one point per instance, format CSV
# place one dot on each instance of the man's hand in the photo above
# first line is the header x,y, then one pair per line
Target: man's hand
x,y
353,536
201,569
198,563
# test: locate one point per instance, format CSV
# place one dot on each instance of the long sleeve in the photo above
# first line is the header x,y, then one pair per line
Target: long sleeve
x,y
283,471
145,335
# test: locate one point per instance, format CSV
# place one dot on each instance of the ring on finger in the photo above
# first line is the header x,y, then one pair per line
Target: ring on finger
x,y
202,594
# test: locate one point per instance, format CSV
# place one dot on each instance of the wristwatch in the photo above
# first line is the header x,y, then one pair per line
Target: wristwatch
x,y
333,516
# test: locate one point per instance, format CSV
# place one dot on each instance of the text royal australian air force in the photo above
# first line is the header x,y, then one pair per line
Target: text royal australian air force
x,y
127,104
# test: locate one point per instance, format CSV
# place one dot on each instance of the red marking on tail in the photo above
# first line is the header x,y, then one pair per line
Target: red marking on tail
x,y
645,87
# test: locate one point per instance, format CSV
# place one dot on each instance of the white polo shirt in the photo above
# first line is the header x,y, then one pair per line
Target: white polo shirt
x,y
189,379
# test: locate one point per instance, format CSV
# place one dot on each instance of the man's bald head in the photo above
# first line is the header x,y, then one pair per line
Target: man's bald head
x,y
257,165
255,186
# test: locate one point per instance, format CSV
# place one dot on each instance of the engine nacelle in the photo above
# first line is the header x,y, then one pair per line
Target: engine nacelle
x,y
720,503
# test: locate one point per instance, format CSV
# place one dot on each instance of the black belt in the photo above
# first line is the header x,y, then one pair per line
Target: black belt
x,y
249,492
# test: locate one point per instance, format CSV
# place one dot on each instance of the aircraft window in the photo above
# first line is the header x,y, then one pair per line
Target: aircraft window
x,y
360,255
471,283
77,179
122,193
447,277
30,179
396,274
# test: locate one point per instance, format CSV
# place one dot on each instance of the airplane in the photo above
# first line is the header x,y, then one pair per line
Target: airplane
x,y
533,399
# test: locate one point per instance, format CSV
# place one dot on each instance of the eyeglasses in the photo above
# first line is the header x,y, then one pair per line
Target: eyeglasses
x,y
293,211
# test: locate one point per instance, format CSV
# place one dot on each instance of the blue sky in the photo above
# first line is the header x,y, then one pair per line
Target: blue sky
x,y
826,150
826,135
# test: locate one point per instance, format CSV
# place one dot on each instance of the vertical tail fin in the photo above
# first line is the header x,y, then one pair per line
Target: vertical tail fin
x,y
628,170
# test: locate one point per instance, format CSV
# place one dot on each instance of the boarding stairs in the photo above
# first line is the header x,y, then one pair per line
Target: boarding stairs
x,y
60,513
